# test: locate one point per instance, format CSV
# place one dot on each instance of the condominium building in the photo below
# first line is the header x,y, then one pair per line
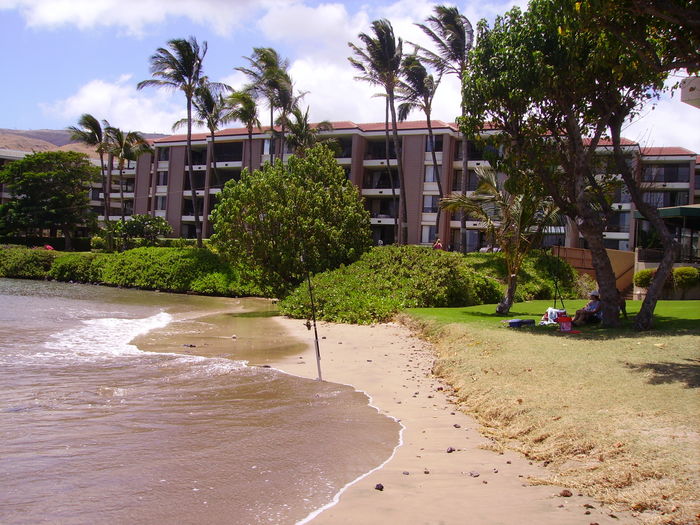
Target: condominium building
x,y
159,184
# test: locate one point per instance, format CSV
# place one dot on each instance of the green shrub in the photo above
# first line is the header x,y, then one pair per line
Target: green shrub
x,y
388,279
78,267
643,278
26,263
685,277
167,269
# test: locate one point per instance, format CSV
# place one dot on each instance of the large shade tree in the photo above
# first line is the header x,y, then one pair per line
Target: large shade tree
x,y
288,219
179,66
378,59
453,37
49,191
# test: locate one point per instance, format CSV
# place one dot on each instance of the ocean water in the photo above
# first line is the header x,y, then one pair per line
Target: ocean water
x,y
94,429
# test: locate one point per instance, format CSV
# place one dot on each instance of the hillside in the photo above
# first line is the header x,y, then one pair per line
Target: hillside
x,y
47,140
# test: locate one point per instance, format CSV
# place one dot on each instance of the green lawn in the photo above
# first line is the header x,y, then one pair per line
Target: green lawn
x,y
669,316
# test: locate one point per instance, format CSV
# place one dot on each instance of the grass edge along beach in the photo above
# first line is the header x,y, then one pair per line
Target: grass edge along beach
x,y
612,413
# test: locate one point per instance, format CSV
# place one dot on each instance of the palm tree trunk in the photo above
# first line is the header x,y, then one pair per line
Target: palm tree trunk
x,y
403,237
465,175
121,187
509,297
272,133
213,159
436,171
197,224
250,150
389,172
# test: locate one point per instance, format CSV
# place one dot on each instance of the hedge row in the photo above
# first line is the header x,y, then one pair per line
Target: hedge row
x,y
682,277
388,279
166,269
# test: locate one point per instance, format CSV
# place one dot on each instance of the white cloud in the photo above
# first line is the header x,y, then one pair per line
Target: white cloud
x,y
151,111
133,16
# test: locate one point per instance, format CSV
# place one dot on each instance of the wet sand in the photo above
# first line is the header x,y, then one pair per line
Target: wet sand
x,y
423,483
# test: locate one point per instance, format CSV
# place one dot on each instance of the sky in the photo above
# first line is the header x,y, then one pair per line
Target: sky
x,y
63,58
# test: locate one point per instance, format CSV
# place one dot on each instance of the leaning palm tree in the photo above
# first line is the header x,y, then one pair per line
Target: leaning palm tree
x,y
517,221
453,36
125,146
180,67
242,107
269,79
417,90
210,109
90,132
379,63
302,135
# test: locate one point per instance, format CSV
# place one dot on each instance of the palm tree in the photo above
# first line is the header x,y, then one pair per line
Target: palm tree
x,y
210,109
417,91
269,79
380,64
125,146
453,35
90,132
180,67
517,221
242,107
302,135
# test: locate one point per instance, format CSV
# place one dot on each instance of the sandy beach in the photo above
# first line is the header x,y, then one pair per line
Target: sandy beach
x,y
440,473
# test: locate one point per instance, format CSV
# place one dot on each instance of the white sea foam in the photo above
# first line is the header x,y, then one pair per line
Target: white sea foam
x,y
109,338
103,338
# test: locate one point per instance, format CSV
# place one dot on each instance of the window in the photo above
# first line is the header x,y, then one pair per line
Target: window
x,y
665,199
161,202
430,203
163,154
95,194
430,174
428,234
162,178
666,173
472,181
438,143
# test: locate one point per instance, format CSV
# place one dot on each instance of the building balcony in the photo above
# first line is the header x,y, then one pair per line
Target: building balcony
x,y
118,196
229,164
369,163
690,91
382,221
196,167
377,192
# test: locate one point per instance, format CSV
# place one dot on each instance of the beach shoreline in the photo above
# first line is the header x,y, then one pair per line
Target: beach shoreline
x,y
440,471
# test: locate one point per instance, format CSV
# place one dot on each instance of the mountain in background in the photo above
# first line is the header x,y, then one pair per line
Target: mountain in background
x,y
37,140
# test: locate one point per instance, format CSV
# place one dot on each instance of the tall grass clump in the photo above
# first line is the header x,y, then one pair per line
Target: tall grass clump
x,y
388,279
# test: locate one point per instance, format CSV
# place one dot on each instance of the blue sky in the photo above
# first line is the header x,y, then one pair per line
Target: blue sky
x,y
63,58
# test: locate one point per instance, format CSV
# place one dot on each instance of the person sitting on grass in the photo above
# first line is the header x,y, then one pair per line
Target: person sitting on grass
x,y
589,313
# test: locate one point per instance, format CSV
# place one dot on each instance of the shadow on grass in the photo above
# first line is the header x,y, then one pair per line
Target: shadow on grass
x,y
664,373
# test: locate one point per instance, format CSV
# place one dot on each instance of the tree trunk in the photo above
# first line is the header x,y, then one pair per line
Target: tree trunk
x,y
250,150
436,172
394,203
121,187
605,276
213,160
465,176
645,318
197,224
69,240
403,234
509,297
